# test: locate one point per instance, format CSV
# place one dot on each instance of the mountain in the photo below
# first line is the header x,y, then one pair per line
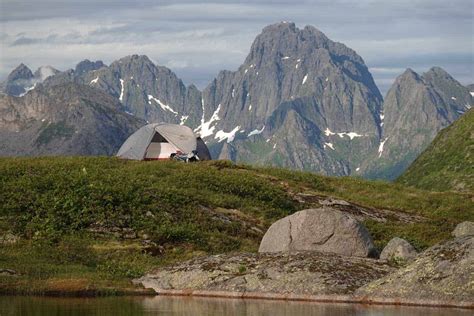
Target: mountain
x,y
299,100
448,163
67,119
415,109
150,92
22,79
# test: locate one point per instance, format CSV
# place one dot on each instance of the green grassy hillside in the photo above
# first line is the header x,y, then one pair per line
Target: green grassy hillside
x,y
89,225
448,163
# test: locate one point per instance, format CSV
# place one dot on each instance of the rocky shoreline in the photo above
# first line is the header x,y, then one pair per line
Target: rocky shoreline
x,y
441,276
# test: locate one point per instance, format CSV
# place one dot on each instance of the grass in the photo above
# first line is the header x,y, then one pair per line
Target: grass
x,y
448,163
90,225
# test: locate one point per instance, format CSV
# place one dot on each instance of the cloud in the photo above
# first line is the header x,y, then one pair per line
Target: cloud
x,y
198,38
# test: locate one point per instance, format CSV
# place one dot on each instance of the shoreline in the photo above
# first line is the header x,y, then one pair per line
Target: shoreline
x,y
319,298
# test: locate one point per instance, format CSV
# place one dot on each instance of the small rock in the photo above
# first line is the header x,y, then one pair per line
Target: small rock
x,y
397,249
463,229
324,229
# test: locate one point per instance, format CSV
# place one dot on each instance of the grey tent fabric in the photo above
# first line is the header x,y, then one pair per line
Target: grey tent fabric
x,y
135,146
177,137
182,137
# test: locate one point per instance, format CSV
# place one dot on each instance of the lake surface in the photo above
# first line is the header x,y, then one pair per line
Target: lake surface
x,y
116,306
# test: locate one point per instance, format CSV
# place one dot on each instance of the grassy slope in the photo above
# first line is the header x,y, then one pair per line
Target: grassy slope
x,y
182,208
448,163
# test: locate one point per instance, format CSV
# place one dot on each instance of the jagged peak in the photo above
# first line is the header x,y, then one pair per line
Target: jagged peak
x,y
409,73
280,26
136,58
20,72
437,72
87,65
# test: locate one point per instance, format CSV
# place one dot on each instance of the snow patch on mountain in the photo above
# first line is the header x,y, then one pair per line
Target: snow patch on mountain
x,y
221,135
164,106
305,78
351,135
27,89
183,119
330,145
256,131
121,90
381,146
328,132
206,129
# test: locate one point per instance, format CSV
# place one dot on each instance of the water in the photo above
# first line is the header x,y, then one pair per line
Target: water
x,y
117,306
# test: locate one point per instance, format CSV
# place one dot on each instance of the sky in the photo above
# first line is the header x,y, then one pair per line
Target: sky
x,y
196,39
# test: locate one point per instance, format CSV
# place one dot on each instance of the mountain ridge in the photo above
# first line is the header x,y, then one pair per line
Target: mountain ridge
x,y
299,100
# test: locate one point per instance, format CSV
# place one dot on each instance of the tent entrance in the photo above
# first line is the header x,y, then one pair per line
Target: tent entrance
x,y
159,148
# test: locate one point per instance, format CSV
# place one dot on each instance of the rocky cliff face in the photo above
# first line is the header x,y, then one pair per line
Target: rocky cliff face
x,y
299,100
67,119
416,108
150,92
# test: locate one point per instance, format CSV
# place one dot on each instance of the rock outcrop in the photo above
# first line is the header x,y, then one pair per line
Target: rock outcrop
x,y
444,272
415,109
300,273
398,249
324,229
464,229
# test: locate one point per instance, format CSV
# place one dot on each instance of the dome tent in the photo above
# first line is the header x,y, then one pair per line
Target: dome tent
x,y
160,140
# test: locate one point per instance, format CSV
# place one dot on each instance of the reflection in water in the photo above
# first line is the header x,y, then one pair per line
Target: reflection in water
x,y
112,306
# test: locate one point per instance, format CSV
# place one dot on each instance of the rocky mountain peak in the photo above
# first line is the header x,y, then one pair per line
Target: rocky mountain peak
x,y
408,74
86,65
20,72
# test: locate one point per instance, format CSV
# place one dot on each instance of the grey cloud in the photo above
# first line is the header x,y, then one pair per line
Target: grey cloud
x,y
198,38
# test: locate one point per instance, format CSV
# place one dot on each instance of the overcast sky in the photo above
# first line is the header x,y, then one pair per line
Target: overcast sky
x,y
196,39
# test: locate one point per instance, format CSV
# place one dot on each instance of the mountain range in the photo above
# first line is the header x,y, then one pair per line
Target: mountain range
x,y
299,100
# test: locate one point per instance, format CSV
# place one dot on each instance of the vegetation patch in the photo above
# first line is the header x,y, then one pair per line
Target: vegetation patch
x,y
100,222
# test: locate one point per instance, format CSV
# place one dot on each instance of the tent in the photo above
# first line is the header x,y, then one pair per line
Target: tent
x,y
160,140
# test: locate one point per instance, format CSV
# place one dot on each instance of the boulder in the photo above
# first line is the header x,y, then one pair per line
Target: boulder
x,y
443,272
324,229
464,229
398,249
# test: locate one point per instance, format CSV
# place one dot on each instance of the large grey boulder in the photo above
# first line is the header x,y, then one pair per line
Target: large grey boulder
x,y
463,229
398,249
324,229
444,272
